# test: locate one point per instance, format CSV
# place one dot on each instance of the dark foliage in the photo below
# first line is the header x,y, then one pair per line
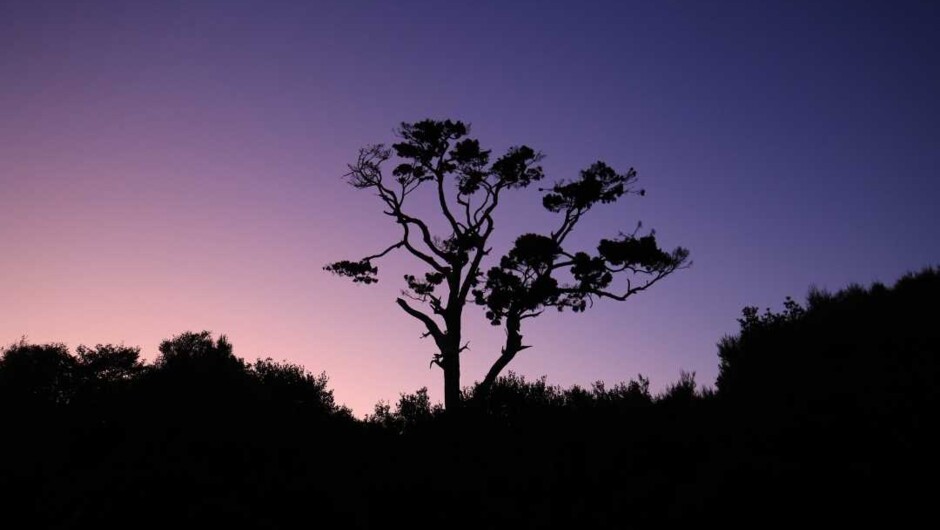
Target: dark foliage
x,y
824,414
199,436
845,391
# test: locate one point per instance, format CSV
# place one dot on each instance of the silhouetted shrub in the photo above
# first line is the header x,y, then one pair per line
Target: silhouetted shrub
x,y
290,385
631,394
684,391
837,400
411,410
866,352
820,410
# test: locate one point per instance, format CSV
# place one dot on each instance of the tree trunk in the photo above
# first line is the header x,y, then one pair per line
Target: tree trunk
x,y
451,365
509,351
450,359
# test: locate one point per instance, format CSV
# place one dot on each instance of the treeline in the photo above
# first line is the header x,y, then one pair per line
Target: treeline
x,y
823,413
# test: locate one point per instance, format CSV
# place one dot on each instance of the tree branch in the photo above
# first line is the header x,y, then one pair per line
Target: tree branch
x,y
475,263
367,173
384,252
428,322
483,204
425,234
405,242
445,208
633,290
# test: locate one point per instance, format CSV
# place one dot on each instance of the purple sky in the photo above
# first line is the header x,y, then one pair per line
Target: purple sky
x,y
167,166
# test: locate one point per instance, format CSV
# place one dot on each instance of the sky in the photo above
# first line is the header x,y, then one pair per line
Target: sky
x,y
173,166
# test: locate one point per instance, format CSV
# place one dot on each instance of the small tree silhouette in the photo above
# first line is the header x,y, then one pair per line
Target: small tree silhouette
x,y
539,271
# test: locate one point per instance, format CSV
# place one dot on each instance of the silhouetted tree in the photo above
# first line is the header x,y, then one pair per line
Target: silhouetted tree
x,y
199,385
527,279
36,375
105,377
467,186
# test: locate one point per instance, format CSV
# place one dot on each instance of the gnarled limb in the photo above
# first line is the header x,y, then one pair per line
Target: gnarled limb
x,y
429,323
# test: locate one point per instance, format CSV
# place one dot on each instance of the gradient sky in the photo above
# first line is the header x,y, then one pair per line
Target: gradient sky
x,y
170,166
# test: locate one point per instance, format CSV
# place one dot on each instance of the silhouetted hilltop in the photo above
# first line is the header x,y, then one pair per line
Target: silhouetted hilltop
x,y
824,413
